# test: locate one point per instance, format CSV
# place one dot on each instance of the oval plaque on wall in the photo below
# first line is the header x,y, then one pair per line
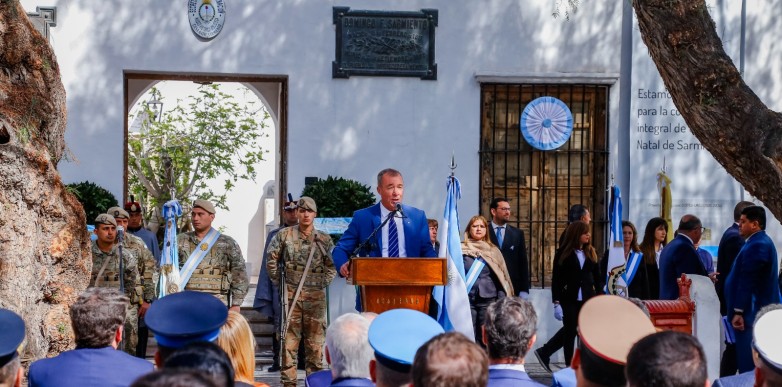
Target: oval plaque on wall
x,y
207,17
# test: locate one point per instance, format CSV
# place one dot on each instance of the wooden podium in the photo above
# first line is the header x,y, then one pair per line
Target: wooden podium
x,y
393,283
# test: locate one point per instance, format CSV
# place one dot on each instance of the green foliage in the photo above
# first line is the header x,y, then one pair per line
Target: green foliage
x,y
94,198
339,197
181,154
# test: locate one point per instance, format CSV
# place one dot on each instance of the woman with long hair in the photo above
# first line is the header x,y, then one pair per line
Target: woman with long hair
x,y
576,278
237,340
630,238
646,284
492,281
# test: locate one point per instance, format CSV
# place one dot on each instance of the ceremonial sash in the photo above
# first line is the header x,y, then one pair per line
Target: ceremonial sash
x,y
197,256
633,261
475,271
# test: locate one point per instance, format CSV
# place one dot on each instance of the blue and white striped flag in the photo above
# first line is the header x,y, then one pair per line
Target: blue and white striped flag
x,y
453,305
169,259
615,278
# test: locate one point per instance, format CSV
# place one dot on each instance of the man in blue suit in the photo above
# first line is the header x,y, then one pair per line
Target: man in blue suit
x,y
679,257
98,319
730,245
509,333
753,281
405,235
348,351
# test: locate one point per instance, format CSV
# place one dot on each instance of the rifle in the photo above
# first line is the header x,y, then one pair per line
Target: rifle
x,y
282,291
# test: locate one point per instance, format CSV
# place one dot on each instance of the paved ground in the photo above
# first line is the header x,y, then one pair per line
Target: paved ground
x,y
534,369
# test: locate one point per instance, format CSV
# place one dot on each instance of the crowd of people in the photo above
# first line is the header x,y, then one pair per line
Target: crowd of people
x,y
607,340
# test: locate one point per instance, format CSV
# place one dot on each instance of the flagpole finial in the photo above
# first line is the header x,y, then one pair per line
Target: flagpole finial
x,y
453,163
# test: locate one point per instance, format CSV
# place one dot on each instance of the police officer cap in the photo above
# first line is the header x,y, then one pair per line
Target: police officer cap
x,y
308,203
185,317
291,205
396,335
767,340
11,335
133,207
106,219
601,343
117,212
206,205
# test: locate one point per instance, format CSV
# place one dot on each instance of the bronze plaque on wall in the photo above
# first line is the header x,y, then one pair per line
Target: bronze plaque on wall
x,y
385,43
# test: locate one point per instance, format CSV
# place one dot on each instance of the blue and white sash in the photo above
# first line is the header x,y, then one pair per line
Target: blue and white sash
x,y
197,256
631,267
475,271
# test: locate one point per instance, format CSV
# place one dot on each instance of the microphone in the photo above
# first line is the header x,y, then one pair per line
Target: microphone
x,y
120,233
399,209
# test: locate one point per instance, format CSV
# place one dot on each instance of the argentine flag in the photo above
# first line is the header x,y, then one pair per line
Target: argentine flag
x,y
169,259
619,273
453,306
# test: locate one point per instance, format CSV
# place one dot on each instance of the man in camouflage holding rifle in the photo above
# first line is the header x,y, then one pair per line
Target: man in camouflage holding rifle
x,y
308,270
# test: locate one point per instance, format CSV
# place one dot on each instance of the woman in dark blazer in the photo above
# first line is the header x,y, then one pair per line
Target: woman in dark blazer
x,y
646,284
576,278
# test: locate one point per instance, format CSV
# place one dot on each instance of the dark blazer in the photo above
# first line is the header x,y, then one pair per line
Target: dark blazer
x,y
104,367
730,244
754,280
417,243
514,250
747,379
677,257
510,378
353,382
569,277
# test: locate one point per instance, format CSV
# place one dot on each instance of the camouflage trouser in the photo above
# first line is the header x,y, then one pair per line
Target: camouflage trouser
x,y
308,323
131,330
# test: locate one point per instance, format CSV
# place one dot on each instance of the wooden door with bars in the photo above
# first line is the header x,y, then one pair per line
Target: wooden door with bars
x,y
542,185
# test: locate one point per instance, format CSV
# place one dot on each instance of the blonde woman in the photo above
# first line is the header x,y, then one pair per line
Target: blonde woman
x,y
237,340
492,282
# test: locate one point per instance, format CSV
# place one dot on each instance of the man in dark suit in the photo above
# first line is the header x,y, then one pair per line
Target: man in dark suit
x,y
405,235
509,333
680,256
510,240
730,244
752,283
97,318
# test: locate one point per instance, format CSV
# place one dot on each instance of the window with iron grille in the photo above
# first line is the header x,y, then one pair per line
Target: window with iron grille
x,y
542,185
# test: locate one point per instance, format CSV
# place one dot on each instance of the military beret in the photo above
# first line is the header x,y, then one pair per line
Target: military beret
x,y
106,219
11,335
307,203
186,317
600,343
767,341
206,205
133,207
396,335
117,212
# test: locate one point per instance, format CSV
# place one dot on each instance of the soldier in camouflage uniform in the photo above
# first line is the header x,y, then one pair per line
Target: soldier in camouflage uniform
x,y
147,267
222,272
305,317
105,273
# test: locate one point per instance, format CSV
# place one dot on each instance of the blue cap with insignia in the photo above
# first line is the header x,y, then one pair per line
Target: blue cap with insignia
x,y
396,335
767,341
185,317
11,335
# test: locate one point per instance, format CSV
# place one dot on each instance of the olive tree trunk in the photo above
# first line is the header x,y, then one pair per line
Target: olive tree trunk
x,y
722,112
44,246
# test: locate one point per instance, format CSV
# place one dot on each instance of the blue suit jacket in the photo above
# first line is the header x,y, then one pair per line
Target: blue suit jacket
x,y
753,280
510,378
105,367
677,257
353,382
416,228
